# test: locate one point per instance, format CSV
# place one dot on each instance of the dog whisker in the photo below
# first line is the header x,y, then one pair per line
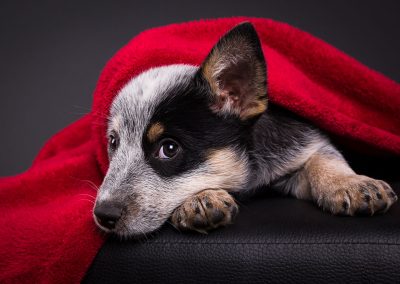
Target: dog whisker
x,y
86,194
91,184
91,201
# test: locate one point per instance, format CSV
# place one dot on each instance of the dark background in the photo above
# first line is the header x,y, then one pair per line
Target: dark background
x,y
52,52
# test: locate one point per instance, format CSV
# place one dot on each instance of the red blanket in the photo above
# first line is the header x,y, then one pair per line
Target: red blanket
x,y
46,230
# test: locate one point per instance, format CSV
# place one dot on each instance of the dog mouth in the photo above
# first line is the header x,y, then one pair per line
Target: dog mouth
x,y
100,226
118,229
126,226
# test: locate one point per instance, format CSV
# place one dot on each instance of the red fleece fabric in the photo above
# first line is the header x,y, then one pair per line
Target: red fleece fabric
x,y
47,234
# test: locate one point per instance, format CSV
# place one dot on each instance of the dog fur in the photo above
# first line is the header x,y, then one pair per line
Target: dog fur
x,y
182,138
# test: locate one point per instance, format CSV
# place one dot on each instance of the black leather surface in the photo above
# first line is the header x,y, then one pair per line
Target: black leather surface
x,y
274,239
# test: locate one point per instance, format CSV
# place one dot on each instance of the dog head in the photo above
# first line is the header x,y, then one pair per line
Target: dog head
x,y
176,130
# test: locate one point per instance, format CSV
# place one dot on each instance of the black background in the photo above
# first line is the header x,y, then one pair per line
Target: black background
x,y
52,52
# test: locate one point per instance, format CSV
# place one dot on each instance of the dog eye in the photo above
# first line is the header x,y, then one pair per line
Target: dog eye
x,y
113,142
168,149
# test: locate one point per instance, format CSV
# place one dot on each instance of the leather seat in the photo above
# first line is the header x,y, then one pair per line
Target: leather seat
x,y
274,239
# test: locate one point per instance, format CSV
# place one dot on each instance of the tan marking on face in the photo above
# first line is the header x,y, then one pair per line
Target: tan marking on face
x,y
229,169
155,131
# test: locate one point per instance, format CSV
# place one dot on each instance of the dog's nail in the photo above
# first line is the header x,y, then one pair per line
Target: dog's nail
x,y
367,197
217,216
234,212
199,222
345,205
208,204
364,210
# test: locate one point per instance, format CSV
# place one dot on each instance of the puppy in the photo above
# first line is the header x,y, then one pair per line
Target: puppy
x,y
182,138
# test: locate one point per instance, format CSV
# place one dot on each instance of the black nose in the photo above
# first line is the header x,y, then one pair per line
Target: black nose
x,y
108,214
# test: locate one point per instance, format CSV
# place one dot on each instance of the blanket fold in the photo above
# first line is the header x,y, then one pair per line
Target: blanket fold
x,y
47,234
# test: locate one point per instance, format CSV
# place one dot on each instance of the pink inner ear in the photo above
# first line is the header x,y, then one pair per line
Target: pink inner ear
x,y
235,89
235,70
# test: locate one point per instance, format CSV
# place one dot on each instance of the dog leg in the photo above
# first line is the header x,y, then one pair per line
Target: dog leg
x,y
328,179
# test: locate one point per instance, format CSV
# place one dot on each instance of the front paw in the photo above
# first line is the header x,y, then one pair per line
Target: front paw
x,y
206,210
357,195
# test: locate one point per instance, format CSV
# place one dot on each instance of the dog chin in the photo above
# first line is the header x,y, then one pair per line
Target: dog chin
x,y
131,230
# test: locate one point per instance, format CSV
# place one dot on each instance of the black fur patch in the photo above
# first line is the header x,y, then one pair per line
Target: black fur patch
x,y
187,118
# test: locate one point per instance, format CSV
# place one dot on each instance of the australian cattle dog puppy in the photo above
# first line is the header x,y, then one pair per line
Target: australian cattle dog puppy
x,y
182,138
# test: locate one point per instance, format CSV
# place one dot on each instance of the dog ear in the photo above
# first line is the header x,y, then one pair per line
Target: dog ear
x,y
236,72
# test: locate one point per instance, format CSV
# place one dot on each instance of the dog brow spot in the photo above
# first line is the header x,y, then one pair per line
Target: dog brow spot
x,y
155,131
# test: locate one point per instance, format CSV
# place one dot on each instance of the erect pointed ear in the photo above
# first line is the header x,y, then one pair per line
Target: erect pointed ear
x,y
235,70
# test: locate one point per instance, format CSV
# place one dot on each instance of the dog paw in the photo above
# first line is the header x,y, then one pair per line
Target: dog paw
x,y
205,211
358,195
